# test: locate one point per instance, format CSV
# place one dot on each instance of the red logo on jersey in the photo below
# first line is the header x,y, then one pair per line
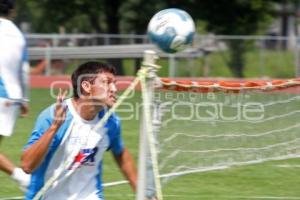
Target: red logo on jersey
x,y
85,157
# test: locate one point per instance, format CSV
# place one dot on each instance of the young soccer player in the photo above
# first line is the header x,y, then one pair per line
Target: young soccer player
x,y
13,84
61,127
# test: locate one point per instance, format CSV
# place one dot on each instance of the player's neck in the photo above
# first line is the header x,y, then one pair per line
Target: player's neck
x,y
86,108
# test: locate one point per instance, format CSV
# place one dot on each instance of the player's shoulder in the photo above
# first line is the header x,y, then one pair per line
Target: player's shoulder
x,y
47,113
115,117
8,28
113,120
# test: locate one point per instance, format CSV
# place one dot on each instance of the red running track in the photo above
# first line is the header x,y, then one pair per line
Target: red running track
x,y
64,82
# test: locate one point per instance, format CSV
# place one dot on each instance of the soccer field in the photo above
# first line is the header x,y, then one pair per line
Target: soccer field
x,y
269,180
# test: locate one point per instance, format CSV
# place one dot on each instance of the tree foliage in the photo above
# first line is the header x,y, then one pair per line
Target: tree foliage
x,y
234,17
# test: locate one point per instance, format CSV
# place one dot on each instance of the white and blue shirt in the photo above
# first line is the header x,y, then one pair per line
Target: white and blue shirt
x,y
85,181
14,66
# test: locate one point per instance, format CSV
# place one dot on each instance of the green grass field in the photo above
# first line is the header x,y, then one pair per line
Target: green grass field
x,y
257,181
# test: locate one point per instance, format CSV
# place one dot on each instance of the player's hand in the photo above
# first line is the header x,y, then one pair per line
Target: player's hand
x,y
24,109
8,103
60,109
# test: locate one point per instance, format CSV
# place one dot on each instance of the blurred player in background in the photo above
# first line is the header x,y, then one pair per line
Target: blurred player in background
x,y
69,124
13,84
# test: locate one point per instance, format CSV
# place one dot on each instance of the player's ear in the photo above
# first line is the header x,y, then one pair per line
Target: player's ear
x,y
86,87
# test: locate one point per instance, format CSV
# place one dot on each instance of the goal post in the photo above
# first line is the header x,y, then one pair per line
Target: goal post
x,y
198,126
148,173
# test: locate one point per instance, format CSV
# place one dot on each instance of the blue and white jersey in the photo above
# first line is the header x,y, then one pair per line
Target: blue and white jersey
x,y
85,181
14,67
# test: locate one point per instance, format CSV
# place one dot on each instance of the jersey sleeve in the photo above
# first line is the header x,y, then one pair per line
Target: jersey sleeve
x,y
42,124
117,145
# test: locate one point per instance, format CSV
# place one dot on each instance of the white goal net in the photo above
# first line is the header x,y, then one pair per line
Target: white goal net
x,y
207,131
202,126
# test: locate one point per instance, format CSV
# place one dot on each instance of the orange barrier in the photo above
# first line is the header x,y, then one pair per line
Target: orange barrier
x,y
178,84
233,86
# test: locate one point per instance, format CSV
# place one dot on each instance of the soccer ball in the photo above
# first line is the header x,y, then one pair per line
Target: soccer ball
x,y
172,30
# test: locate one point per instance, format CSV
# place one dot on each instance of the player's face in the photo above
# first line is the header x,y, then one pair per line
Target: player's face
x,y
104,88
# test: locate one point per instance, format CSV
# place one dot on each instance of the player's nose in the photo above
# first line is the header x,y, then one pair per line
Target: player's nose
x,y
113,88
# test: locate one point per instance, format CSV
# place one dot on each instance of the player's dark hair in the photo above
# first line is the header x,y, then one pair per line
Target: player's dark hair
x,y
87,72
6,6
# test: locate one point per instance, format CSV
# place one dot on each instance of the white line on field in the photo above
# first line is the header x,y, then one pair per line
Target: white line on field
x,y
11,198
269,197
210,196
194,196
234,197
288,166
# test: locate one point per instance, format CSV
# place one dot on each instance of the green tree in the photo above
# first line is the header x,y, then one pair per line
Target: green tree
x,y
235,17
136,15
98,16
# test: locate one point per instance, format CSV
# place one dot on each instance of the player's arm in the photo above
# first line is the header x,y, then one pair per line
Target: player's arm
x,y
12,53
24,77
14,64
127,166
34,155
